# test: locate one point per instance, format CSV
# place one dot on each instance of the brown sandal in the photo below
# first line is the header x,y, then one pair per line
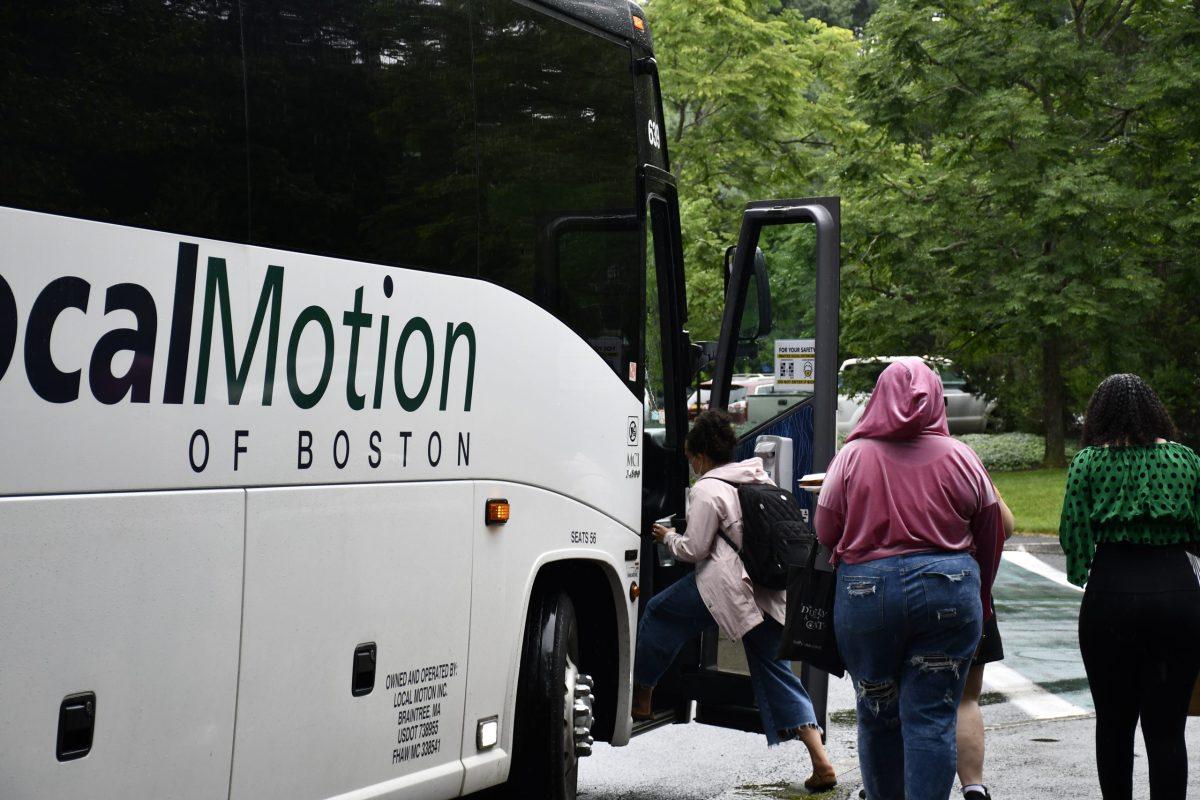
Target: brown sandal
x,y
821,783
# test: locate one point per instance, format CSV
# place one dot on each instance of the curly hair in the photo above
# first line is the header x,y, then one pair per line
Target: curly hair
x,y
1124,410
712,436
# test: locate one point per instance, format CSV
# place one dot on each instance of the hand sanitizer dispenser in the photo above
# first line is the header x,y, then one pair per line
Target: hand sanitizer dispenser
x,y
776,454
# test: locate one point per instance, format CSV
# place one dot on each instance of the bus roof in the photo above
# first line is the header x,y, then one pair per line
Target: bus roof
x,y
611,16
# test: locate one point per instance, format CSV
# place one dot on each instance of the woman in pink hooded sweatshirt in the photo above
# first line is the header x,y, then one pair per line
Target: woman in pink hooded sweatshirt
x,y
914,525
720,592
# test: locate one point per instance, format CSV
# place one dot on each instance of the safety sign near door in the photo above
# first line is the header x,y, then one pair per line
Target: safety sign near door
x,y
795,364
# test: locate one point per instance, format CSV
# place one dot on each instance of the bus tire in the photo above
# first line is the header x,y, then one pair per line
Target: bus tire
x,y
554,703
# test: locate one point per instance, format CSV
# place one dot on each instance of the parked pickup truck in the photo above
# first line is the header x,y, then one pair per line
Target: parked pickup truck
x,y
966,411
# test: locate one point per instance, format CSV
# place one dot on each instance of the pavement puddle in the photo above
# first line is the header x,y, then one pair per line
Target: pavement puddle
x,y
780,790
846,716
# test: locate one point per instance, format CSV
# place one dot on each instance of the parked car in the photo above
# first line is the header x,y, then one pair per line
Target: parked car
x,y
966,411
754,381
652,411
737,401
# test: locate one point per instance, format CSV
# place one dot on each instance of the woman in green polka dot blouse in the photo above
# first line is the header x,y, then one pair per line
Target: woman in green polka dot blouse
x,y
1130,527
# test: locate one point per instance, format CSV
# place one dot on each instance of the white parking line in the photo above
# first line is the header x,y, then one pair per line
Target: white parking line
x,y
1029,561
1019,690
1027,695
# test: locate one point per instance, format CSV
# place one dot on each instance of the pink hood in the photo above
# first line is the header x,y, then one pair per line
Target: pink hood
x,y
907,403
901,485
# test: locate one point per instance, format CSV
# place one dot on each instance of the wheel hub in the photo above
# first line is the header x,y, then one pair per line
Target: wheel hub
x,y
581,699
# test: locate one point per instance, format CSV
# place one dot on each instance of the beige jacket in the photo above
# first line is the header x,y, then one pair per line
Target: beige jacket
x,y
735,603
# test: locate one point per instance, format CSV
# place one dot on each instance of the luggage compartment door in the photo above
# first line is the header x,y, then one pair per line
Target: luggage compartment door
x,y
133,600
334,574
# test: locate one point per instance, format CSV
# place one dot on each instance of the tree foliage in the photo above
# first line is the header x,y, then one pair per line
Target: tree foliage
x,y
754,96
852,14
1047,161
1020,178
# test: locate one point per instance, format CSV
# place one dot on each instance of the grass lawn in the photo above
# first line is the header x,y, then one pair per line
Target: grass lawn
x,y
1035,497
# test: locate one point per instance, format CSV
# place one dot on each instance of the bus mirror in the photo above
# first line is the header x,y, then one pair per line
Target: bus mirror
x,y
703,354
727,273
756,317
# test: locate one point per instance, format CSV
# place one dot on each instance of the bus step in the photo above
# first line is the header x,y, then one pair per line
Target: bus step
x,y
660,719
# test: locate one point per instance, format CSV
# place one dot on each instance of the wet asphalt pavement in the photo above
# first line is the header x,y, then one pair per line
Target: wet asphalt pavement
x,y
1038,713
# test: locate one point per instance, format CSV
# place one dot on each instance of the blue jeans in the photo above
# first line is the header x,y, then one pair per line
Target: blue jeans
x,y
677,614
907,627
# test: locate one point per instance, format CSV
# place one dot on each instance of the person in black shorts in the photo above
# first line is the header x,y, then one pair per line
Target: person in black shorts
x,y
970,715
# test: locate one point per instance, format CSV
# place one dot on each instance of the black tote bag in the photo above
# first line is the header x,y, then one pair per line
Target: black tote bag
x,y
808,634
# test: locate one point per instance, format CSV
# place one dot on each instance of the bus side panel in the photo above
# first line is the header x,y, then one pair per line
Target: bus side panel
x,y
137,598
544,527
329,569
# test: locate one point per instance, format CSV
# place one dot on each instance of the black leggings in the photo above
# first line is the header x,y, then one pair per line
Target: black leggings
x,y
1141,653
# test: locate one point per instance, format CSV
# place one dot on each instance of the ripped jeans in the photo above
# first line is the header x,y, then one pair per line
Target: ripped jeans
x,y
907,627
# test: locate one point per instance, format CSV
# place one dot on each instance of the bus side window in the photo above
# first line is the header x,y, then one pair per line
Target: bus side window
x,y
558,182
656,402
119,123
361,134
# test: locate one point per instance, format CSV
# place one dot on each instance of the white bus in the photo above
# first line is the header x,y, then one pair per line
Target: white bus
x,y
343,370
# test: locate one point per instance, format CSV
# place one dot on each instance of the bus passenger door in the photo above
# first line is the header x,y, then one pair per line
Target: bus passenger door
x,y
668,370
776,374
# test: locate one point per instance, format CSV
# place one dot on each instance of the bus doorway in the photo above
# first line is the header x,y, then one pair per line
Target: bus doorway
x,y
774,369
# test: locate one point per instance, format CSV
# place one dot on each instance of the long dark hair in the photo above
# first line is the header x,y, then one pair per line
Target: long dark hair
x,y
712,435
1124,410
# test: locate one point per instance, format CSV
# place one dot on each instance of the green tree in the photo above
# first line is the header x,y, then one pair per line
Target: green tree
x,y
755,95
852,14
1024,225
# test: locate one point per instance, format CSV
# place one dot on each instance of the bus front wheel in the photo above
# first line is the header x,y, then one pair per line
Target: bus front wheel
x,y
554,703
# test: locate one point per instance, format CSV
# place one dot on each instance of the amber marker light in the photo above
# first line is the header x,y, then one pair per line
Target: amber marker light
x,y
634,592
496,512
639,23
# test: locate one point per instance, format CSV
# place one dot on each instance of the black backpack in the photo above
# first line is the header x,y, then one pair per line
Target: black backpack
x,y
774,533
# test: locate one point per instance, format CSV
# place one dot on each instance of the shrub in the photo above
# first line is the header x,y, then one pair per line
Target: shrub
x,y
1004,452
1010,451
